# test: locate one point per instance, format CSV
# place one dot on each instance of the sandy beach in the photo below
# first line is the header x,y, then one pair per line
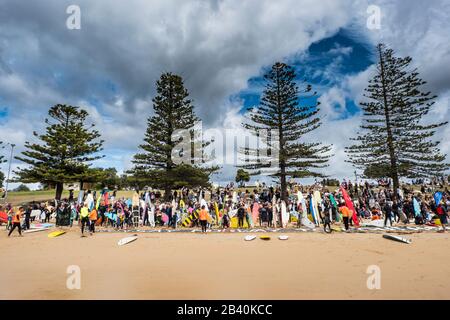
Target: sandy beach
x,y
224,266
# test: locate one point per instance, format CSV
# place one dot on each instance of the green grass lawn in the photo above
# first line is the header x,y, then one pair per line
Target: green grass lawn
x,y
19,198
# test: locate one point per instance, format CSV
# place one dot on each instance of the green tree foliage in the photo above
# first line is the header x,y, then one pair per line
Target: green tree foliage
x,y
65,150
2,179
331,182
242,176
394,142
154,166
2,157
288,111
22,188
111,179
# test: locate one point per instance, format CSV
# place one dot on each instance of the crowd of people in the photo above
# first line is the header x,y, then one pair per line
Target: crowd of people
x,y
231,207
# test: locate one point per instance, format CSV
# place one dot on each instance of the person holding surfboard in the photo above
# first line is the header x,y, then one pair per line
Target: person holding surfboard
x,y
16,222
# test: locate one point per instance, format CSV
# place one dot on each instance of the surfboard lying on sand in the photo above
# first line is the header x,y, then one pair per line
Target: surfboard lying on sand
x,y
55,234
283,237
249,238
264,237
397,238
41,225
127,240
34,230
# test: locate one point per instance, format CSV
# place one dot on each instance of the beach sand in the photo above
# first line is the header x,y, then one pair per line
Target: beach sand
x,y
224,266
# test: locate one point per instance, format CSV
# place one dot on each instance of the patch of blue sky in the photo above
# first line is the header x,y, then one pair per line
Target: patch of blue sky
x,y
324,65
4,112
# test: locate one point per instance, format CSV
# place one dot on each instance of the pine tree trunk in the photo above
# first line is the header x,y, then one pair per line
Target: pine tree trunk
x,y
283,183
59,190
390,141
281,151
167,192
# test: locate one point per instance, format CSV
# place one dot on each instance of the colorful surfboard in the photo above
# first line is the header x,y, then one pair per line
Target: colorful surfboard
x,y
255,212
187,222
314,213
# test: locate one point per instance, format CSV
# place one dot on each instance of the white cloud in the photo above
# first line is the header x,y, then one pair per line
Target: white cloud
x,y
110,66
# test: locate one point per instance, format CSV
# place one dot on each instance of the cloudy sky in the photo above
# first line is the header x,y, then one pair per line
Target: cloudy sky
x,y
220,47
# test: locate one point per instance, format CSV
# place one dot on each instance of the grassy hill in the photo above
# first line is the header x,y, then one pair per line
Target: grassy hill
x,y
22,197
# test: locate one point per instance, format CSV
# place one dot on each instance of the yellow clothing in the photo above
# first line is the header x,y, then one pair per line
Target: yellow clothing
x,y
84,212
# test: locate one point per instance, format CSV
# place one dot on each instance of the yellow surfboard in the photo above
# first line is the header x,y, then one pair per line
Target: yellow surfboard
x,y
264,237
234,223
216,209
336,229
55,234
188,220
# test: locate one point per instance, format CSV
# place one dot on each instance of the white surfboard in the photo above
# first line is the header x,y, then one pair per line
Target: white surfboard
x,y
234,198
89,201
307,223
284,214
397,238
232,213
299,197
302,201
203,203
283,237
317,199
249,238
35,230
127,240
